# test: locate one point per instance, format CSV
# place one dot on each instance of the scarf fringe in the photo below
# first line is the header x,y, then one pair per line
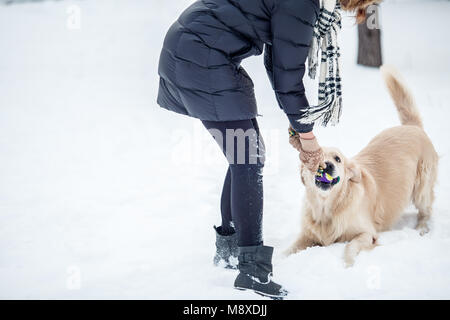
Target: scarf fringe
x,y
327,113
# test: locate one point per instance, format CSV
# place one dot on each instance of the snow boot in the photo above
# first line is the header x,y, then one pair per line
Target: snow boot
x,y
255,272
226,249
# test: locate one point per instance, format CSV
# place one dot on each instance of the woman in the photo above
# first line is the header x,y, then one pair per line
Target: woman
x,y
201,76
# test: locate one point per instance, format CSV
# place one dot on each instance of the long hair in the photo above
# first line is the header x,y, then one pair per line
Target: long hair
x,y
359,6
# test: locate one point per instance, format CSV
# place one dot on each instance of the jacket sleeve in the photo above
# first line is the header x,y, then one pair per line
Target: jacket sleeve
x,y
292,26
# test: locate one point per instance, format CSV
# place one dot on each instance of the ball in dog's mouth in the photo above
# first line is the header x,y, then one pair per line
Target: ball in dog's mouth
x,y
324,178
323,185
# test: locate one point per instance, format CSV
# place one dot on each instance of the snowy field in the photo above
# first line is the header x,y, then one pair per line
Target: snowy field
x,y
105,195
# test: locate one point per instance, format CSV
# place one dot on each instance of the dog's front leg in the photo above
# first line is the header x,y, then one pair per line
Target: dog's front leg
x,y
363,241
303,241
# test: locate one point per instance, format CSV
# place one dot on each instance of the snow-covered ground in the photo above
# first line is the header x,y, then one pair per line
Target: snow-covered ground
x,y
105,195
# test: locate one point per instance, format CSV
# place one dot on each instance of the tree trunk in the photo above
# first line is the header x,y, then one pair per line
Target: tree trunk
x,y
369,47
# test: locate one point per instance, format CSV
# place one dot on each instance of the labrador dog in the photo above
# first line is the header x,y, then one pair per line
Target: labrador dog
x,y
367,194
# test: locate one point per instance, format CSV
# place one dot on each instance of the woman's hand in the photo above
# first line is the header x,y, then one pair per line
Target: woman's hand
x,y
311,154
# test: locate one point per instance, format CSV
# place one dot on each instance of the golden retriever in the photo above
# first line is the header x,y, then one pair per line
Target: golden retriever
x,y
374,187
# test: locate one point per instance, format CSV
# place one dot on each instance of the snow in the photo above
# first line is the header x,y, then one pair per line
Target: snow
x,y
105,195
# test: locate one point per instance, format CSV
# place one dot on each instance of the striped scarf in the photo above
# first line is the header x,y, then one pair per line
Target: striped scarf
x,y
325,37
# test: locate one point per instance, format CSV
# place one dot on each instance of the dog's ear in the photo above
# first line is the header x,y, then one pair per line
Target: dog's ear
x,y
353,172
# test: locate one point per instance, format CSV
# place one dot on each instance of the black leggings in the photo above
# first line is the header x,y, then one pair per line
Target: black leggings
x,y
242,194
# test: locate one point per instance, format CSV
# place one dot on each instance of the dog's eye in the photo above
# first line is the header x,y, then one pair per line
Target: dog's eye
x,y
338,160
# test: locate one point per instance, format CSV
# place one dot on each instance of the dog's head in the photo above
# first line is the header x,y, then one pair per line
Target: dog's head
x,y
338,172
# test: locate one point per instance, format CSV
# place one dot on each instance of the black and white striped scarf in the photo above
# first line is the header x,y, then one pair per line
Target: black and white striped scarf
x,y
325,35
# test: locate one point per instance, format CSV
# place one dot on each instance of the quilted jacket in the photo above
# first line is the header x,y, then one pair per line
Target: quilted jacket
x,y
200,64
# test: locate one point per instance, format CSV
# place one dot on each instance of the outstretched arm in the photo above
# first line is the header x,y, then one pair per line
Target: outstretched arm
x,y
292,24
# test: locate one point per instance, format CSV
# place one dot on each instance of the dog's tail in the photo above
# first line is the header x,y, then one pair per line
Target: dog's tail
x,y
403,100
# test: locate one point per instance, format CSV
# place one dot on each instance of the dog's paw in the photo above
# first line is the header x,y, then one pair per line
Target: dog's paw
x,y
423,228
349,256
349,262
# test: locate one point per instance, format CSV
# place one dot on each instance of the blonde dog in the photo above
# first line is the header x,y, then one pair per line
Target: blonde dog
x,y
367,194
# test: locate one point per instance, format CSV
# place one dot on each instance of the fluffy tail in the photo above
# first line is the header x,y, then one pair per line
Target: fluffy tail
x,y
403,100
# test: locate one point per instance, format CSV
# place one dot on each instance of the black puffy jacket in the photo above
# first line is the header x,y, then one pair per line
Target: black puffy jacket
x,y
199,68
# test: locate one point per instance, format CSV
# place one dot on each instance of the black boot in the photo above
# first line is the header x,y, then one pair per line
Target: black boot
x,y
226,249
255,271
